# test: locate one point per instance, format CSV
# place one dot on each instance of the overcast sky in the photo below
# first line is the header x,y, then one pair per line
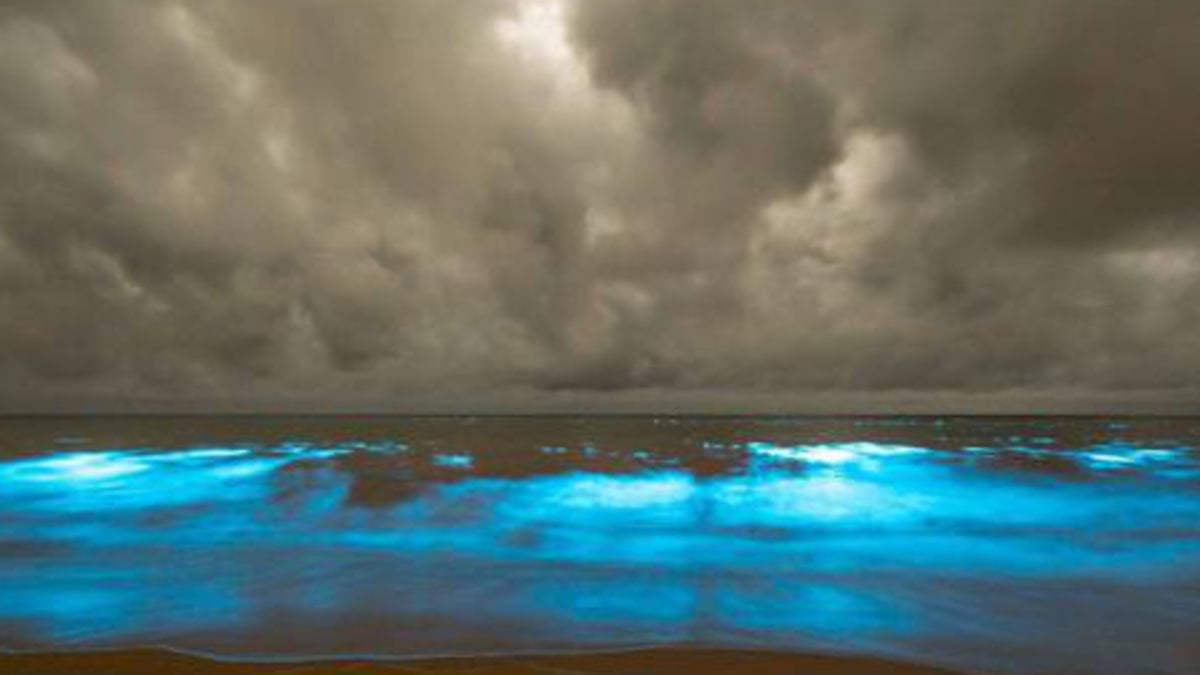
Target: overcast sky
x,y
601,204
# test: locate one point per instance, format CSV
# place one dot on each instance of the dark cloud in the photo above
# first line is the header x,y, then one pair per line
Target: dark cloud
x,y
597,204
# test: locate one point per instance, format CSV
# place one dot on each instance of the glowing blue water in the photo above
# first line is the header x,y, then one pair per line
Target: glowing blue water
x,y
1000,546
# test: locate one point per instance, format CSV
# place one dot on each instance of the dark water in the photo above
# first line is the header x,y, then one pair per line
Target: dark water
x,y
996,545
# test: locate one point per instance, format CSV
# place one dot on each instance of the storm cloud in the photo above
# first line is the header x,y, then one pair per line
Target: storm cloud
x,y
616,204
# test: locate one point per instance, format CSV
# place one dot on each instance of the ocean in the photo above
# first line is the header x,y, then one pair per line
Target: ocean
x,y
984,544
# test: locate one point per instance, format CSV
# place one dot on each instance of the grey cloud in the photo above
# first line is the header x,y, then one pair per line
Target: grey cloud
x,y
1040,140
331,204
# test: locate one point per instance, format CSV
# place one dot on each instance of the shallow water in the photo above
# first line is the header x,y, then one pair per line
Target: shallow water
x,y
989,544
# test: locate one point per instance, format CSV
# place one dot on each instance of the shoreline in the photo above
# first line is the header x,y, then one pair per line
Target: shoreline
x,y
647,661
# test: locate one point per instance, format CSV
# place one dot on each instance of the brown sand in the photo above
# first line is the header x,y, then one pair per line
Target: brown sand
x,y
644,662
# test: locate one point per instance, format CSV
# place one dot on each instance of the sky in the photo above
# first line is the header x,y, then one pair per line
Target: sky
x,y
601,205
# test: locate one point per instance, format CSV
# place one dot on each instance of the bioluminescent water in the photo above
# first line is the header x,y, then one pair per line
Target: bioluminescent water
x,y
986,544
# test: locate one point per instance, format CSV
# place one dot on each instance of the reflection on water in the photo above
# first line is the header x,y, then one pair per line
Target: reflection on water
x,y
999,545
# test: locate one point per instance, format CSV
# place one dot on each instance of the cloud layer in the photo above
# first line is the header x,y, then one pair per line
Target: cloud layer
x,y
627,203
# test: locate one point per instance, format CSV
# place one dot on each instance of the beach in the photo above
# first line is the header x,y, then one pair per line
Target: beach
x,y
641,662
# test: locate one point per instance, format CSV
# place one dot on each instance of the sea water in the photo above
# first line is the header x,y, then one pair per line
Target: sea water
x,y
1001,545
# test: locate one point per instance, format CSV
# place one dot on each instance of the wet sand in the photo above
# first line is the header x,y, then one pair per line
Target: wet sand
x,y
644,662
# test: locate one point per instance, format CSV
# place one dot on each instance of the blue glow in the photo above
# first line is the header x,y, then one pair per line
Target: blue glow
x,y
757,538
620,492
453,461
74,467
860,454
